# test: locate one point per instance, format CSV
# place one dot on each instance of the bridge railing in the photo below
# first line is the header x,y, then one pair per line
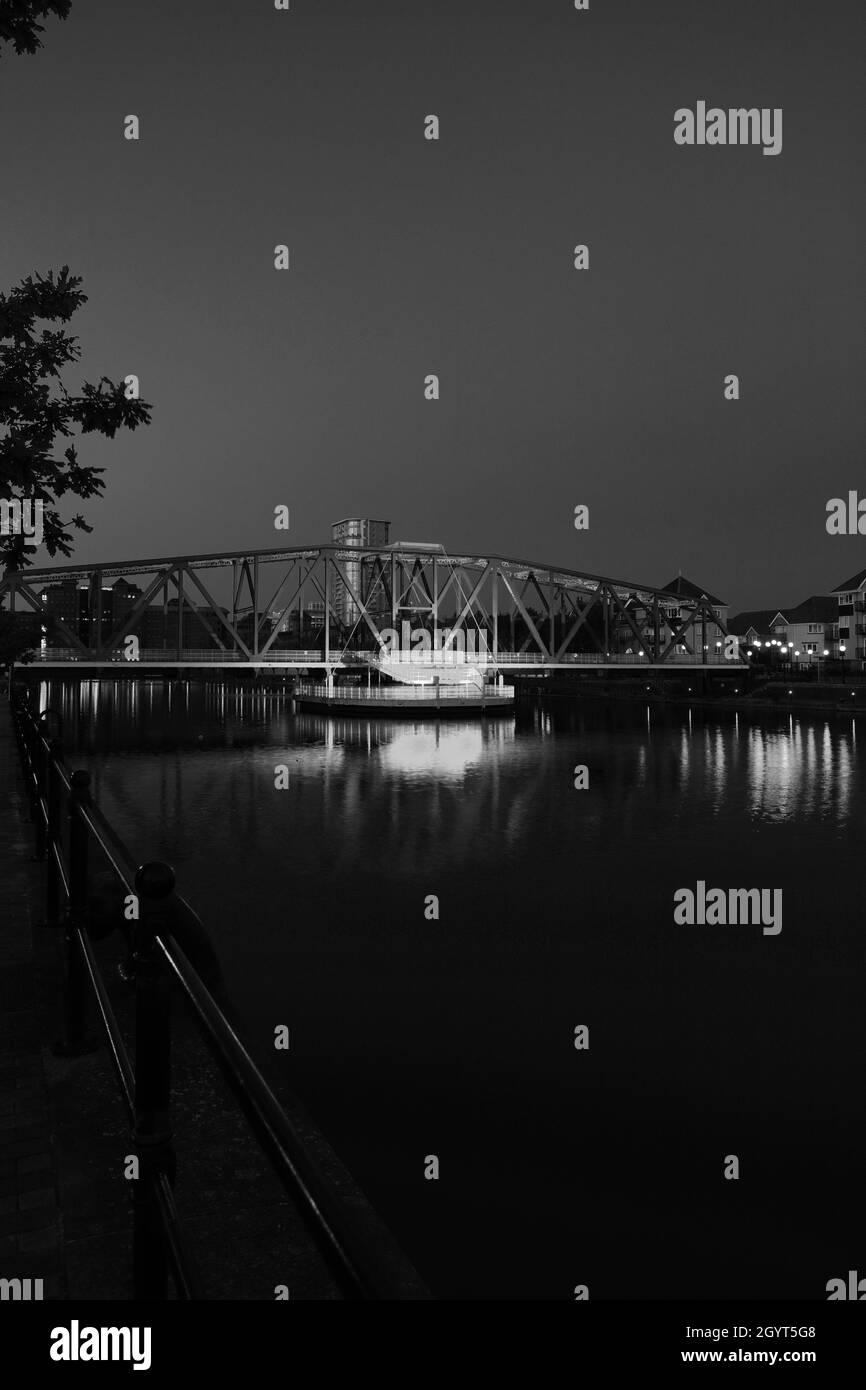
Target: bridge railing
x,y
415,691
160,1247
611,659
169,657
278,656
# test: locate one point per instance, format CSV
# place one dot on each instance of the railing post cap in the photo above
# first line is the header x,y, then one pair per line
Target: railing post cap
x,y
155,880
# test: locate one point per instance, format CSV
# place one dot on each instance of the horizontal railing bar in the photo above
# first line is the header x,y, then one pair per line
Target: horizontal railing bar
x,y
93,818
186,1274
57,855
275,1130
117,1047
414,691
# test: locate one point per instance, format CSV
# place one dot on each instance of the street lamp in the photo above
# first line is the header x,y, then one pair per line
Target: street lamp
x,y
842,655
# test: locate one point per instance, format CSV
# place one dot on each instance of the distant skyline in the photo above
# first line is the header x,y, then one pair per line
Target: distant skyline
x,y
411,257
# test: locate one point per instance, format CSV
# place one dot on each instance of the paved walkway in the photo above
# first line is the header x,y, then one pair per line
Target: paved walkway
x,y
65,1214
30,1226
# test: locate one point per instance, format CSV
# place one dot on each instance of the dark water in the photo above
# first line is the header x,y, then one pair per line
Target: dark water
x,y
454,1037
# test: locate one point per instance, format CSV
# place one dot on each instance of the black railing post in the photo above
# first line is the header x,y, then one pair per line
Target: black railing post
x,y
152,1136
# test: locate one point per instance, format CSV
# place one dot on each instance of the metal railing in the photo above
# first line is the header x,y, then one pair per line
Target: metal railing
x,y
434,656
57,794
278,656
610,659
415,691
168,656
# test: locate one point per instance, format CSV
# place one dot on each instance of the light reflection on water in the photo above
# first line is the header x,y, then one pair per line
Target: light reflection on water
x,y
773,771
556,907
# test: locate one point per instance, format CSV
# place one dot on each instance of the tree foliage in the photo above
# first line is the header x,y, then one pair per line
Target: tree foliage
x,y
36,410
19,22
17,642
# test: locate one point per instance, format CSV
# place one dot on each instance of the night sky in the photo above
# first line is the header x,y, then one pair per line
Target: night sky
x,y
411,257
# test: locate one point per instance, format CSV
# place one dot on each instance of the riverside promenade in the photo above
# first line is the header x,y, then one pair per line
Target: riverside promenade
x,y
65,1201
30,1223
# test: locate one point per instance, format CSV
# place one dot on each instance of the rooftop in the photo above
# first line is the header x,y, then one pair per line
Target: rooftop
x,y
684,588
761,619
855,582
819,608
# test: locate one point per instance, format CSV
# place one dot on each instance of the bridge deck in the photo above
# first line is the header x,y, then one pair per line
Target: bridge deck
x,y
267,664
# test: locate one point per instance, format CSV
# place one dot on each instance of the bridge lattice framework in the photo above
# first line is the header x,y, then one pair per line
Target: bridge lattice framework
x,y
579,612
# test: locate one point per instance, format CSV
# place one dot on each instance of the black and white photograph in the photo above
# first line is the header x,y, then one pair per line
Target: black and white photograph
x,y
432,672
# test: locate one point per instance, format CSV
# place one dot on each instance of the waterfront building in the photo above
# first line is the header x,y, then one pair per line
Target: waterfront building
x,y
690,592
851,603
90,613
357,533
673,612
802,634
811,629
754,626
158,626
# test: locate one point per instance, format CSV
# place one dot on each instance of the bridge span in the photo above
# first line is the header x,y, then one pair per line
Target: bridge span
x,y
401,610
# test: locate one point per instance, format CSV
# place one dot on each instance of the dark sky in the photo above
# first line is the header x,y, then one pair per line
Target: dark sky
x,y
410,257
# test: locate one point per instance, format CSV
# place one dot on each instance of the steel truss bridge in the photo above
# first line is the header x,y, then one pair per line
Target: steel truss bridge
x,y
522,615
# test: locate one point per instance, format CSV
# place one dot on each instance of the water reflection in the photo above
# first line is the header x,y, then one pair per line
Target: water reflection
x,y
165,756
165,752
556,905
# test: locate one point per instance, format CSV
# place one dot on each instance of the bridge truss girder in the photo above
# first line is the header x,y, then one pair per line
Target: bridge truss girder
x,y
369,591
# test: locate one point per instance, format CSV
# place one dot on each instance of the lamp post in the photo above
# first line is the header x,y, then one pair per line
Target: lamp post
x,y
842,655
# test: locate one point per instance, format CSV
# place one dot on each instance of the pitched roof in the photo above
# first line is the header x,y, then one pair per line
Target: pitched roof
x,y
817,609
684,588
853,583
759,618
